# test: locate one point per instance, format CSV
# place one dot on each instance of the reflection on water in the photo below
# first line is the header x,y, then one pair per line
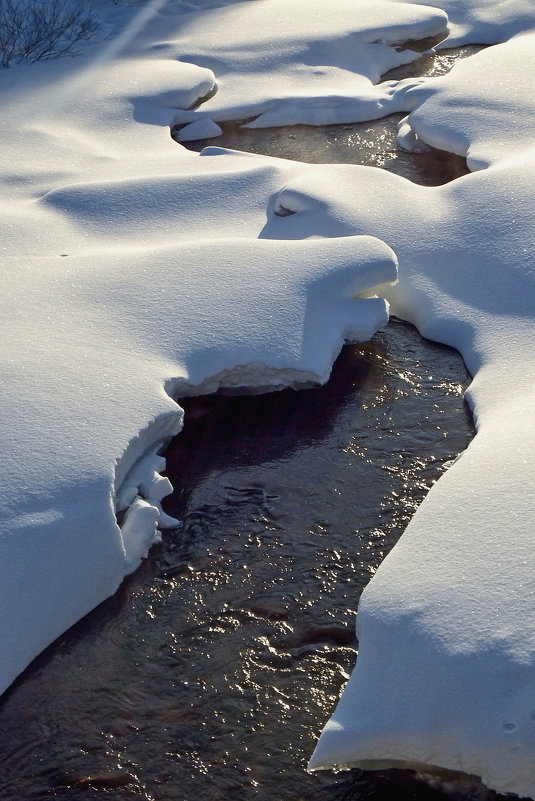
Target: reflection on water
x,y
211,672
370,143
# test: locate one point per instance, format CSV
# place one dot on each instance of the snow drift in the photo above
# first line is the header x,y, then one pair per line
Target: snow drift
x,y
133,270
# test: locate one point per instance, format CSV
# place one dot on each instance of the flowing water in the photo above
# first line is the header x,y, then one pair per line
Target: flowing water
x,y
371,143
212,670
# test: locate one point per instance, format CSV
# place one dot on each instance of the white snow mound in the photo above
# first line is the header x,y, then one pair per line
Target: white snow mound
x,y
133,270
445,675
483,109
310,62
486,21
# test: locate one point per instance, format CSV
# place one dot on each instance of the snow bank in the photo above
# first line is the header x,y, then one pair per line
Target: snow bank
x,y
486,21
493,95
311,62
445,675
133,270
128,290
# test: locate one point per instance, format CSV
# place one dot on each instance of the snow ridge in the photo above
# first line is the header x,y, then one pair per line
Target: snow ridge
x,y
133,269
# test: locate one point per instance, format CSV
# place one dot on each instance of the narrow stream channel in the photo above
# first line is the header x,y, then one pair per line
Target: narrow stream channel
x,y
371,143
212,670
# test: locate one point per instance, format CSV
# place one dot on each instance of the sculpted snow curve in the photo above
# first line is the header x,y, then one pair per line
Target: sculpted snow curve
x,y
440,619
483,109
92,337
272,71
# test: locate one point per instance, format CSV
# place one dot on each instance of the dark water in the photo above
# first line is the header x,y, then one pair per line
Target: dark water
x,y
211,672
371,143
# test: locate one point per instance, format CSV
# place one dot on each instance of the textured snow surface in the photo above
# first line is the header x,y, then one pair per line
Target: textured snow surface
x,y
445,673
133,270
305,61
446,634
486,21
93,336
466,113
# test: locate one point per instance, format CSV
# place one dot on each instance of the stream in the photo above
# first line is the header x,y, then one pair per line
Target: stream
x,y
212,670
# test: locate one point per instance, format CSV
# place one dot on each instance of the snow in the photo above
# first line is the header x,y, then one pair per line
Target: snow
x,y
134,271
139,302
449,610
486,21
492,119
271,72
131,270
448,617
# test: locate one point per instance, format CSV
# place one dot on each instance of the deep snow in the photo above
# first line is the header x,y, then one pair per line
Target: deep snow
x,y
133,270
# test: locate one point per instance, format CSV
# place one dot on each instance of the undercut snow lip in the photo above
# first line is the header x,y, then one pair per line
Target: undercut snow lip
x,y
140,488
424,45
205,97
339,294
376,291
469,113
333,64
434,774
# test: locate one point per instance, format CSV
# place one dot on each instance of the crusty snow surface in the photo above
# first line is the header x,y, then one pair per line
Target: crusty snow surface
x,y
134,270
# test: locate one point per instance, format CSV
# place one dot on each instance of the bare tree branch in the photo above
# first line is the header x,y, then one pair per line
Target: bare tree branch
x,y
42,29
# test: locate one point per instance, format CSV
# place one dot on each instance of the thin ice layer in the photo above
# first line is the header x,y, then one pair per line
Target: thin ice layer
x,y
445,674
279,63
483,109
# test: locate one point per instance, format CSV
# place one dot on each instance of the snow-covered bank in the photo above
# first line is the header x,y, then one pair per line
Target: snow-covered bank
x,y
447,649
486,21
322,70
132,269
327,69
127,289
93,336
443,601
493,119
